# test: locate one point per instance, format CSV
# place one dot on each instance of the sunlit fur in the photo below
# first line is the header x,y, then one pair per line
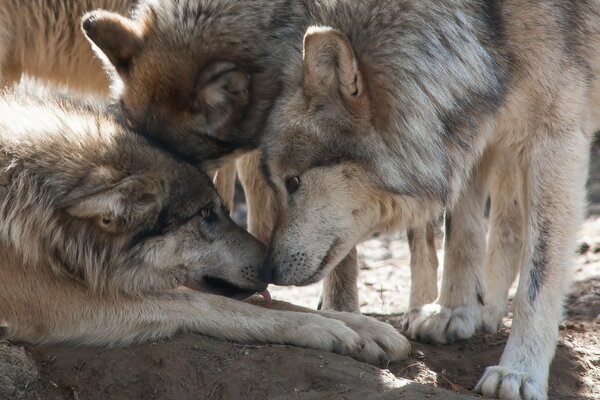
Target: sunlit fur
x,y
100,231
43,40
392,110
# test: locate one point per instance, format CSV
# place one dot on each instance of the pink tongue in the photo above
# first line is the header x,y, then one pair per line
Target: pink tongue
x,y
267,296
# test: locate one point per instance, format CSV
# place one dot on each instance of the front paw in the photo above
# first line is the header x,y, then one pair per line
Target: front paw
x,y
506,384
320,333
382,342
433,323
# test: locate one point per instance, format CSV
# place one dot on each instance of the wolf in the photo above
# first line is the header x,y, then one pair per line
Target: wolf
x,y
200,77
106,239
391,111
43,40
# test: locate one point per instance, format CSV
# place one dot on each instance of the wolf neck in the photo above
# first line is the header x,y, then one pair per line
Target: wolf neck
x,y
435,73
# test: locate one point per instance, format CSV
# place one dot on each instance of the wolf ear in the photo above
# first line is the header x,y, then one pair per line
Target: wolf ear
x,y
119,38
222,95
115,208
331,65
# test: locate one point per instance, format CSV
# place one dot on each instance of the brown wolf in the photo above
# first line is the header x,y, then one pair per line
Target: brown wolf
x,y
99,231
201,77
392,110
43,40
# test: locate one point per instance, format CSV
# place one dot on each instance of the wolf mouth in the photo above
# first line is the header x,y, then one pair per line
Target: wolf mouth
x,y
316,276
221,287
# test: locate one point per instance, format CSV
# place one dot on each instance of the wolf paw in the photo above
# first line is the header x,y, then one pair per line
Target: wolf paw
x,y
382,342
491,318
504,384
433,323
320,333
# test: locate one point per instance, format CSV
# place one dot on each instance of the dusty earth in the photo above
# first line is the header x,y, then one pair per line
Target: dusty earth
x,y
196,367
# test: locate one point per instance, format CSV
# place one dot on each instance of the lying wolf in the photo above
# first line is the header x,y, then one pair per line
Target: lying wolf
x,y
201,77
100,233
392,109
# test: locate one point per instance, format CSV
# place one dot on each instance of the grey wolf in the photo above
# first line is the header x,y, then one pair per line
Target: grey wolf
x,y
200,77
43,40
391,111
105,239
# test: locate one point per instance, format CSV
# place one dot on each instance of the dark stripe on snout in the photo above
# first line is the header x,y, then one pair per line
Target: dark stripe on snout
x,y
539,267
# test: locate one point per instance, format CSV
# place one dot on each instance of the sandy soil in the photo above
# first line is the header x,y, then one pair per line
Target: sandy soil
x,y
195,367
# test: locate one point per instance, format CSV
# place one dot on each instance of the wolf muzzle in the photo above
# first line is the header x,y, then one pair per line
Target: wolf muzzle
x,y
269,271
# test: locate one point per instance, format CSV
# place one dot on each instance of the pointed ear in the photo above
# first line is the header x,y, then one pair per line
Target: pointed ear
x,y
118,38
331,65
222,95
116,208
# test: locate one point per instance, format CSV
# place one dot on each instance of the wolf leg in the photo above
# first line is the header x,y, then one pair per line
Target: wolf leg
x,y
259,197
554,192
456,312
74,315
373,332
225,183
423,265
505,240
340,291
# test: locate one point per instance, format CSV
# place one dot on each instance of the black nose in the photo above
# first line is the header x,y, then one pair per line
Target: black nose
x,y
268,272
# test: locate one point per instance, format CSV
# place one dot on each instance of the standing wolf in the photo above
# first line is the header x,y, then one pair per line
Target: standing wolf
x,y
99,231
399,108
200,77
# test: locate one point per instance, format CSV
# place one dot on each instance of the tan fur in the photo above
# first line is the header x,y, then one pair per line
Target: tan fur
x,y
43,40
99,231
481,96
227,72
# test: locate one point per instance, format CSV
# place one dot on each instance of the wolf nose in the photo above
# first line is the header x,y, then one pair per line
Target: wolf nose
x,y
268,271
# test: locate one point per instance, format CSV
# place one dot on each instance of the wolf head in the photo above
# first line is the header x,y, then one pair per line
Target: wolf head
x,y
358,144
333,172
187,68
164,229
99,204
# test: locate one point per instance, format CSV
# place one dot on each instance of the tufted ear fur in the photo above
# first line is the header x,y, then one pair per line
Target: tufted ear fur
x,y
119,38
330,66
115,208
222,95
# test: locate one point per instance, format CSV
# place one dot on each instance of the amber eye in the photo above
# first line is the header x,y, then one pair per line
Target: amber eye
x,y
292,184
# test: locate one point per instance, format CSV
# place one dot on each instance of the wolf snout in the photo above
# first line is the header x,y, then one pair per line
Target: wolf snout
x,y
268,271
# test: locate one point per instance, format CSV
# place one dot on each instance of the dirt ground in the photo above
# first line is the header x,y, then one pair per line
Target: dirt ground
x,y
195,367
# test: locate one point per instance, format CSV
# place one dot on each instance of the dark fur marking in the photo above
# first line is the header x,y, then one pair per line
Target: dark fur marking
x,y
266,172
158,229
480,293
448,225
539,267
410,234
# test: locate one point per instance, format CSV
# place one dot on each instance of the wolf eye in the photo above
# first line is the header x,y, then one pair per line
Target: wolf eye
x,y
209,215
292,184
